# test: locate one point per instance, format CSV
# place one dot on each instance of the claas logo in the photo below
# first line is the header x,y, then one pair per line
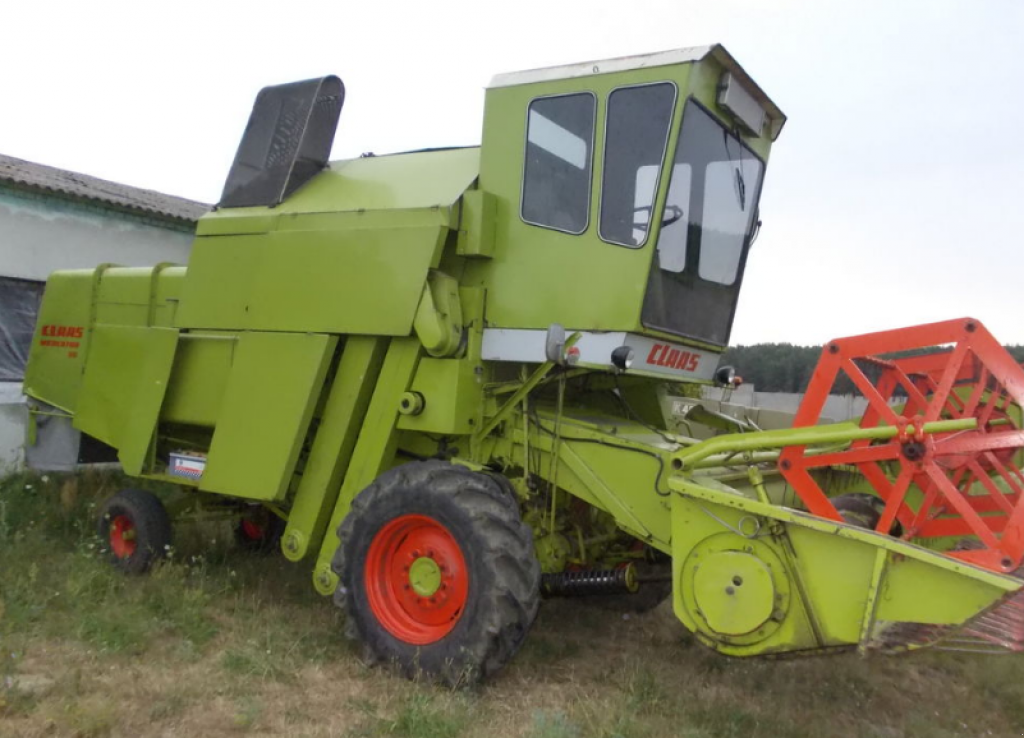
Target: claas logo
x,y
63,331
672,358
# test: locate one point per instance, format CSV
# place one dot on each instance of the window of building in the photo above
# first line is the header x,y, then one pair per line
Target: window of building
x,y
19,306
559,156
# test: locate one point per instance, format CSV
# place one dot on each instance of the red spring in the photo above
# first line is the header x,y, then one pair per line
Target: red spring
x,y
968,482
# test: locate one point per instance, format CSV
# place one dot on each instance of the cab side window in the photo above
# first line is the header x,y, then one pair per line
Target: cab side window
x,y
559,157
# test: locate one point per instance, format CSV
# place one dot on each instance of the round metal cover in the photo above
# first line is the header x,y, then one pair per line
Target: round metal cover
x,y
734,592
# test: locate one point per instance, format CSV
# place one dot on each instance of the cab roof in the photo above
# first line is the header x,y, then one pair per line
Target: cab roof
x,y
644,61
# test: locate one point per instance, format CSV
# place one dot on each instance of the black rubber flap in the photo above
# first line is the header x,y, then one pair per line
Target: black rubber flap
x,y
286,142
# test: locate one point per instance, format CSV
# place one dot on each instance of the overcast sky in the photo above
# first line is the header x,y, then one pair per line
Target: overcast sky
x,y
893,196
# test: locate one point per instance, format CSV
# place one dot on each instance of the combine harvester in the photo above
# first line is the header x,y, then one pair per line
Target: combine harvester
x,y
365,362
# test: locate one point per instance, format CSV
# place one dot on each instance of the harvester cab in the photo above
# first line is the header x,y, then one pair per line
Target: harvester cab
x,y
439,376
626,194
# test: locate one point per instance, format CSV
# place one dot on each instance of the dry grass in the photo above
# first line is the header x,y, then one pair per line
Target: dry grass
x,y
222,643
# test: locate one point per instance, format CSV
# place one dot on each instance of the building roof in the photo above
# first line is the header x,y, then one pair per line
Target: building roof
x,y
46,179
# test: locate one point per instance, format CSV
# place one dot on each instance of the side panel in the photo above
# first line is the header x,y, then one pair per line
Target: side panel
x,y
55,362
375,449
272,390
452,396
76,300
365,282
219,284
199,380
330,273
125,380
343,416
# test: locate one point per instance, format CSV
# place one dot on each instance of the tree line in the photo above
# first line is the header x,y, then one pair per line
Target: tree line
x,y
784,367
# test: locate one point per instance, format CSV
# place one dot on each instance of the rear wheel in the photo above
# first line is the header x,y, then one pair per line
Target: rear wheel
x,y
437,570
136,529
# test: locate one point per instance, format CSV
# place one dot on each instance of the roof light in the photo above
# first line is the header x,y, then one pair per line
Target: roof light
x,y
745,109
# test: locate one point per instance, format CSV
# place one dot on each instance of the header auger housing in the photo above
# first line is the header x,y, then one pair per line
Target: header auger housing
x,y
365,361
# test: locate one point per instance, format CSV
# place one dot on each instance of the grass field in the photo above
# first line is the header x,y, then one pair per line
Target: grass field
x,y
220,642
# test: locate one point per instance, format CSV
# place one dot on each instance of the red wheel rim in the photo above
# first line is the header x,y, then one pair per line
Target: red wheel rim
x,y
252,530
416,579
122,536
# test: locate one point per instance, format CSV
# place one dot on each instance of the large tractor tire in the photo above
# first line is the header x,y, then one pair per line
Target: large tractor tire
x,y
438,575
135,527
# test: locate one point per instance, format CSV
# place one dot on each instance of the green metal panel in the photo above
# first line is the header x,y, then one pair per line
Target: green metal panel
x,y
220,279
165,291
365,282
237,221
938,596
375,448
73,302
199,378
452,393
55,363
423,179
336,435
840,591
477,224
275,381
125,380
124,296
338,274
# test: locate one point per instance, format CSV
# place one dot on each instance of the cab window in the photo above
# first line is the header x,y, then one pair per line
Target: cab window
x,y
636,137
559,155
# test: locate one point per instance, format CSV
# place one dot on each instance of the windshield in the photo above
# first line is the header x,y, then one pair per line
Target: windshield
x,y
709,213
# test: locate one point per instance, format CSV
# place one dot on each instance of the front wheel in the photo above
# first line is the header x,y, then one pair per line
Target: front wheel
x,y
437,570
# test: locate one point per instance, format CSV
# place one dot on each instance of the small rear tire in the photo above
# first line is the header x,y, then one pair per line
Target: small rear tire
x,y
437,572
136,529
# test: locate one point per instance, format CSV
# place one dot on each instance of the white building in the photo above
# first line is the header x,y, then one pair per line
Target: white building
x,y
51,219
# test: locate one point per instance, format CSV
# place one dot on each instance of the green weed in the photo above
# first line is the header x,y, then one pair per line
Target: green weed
x,y
553,724
420,713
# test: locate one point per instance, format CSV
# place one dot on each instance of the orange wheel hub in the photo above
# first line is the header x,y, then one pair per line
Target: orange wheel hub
x,y
252,530
122,536
417,582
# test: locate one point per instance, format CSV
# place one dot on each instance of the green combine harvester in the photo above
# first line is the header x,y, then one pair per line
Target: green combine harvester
x,y
457,380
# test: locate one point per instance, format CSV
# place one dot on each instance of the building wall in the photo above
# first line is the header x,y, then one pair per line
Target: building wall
x,y
39,235
13,425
